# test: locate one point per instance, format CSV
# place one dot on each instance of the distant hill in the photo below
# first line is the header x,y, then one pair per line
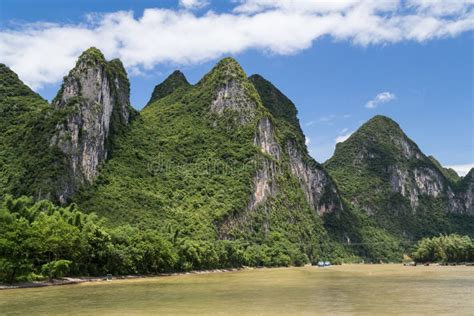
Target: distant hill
x,y
383,172
223,164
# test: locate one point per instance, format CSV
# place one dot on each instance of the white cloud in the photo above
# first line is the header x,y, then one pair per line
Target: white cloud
x,y
309,123
42,53
440,8
328,118
344,130
382,97
307,140
462,170
343,138
254,6
193,4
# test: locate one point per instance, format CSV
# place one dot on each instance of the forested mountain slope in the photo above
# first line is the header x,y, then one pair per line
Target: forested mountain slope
x,y
27,164
383,172
211,163
220,170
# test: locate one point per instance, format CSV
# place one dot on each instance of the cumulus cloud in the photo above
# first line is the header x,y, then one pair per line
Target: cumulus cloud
x,y
462,170
440,8
41,53
343,138
327,118
193,4
254,6
307,140
382,97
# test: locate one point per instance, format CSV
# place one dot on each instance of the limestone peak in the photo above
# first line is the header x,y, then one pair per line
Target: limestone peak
x,y
174,81
226,70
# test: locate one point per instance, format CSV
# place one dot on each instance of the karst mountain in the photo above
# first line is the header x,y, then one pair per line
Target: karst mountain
x,y
223,160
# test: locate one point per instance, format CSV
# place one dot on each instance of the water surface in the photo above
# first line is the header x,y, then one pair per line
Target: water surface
x,y
348,289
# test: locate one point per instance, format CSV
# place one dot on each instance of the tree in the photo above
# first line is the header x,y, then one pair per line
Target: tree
x,y
56,269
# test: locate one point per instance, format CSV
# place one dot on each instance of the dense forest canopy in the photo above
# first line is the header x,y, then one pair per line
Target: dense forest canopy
x,y
209,175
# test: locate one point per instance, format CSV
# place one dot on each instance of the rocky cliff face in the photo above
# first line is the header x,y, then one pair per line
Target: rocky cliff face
x,y
421,178
318,188
231,98
95,96
236,100
463,198
234,96
381,159
320,191
265,183
413,175
287,183
223,159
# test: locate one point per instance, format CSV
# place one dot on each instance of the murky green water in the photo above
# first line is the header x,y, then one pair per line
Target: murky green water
x,y
349,289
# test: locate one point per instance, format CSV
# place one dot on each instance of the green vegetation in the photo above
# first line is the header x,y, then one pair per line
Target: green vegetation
x,y
40,240
175,81
28,165
173,164
174,194
364,166
352,234
358,234
449,173
445,249
284,112
185,169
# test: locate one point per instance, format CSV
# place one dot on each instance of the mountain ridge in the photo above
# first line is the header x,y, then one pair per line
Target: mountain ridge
x,y
96,95
174,81
223,163
403,182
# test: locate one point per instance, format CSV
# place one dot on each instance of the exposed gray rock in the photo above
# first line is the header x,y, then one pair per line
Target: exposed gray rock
x,y
95,98
232,99
400,182
408,151
265,138
463,201
421,181
428,181
265,184
314,182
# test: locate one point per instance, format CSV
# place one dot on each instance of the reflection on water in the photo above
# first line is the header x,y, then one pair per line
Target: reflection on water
x,y
349,289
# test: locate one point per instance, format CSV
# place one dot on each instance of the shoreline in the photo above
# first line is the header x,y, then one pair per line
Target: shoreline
x,y
79,280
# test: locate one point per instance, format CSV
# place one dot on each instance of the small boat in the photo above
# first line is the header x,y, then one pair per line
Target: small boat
x,y
320,264
327,264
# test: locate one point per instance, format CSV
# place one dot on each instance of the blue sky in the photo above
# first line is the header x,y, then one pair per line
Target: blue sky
x,y
417,58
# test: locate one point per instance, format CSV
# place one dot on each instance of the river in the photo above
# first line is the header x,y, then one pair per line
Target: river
x,y
347,289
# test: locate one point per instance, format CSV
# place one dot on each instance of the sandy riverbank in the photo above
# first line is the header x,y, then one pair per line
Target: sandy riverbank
x,y
78,280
